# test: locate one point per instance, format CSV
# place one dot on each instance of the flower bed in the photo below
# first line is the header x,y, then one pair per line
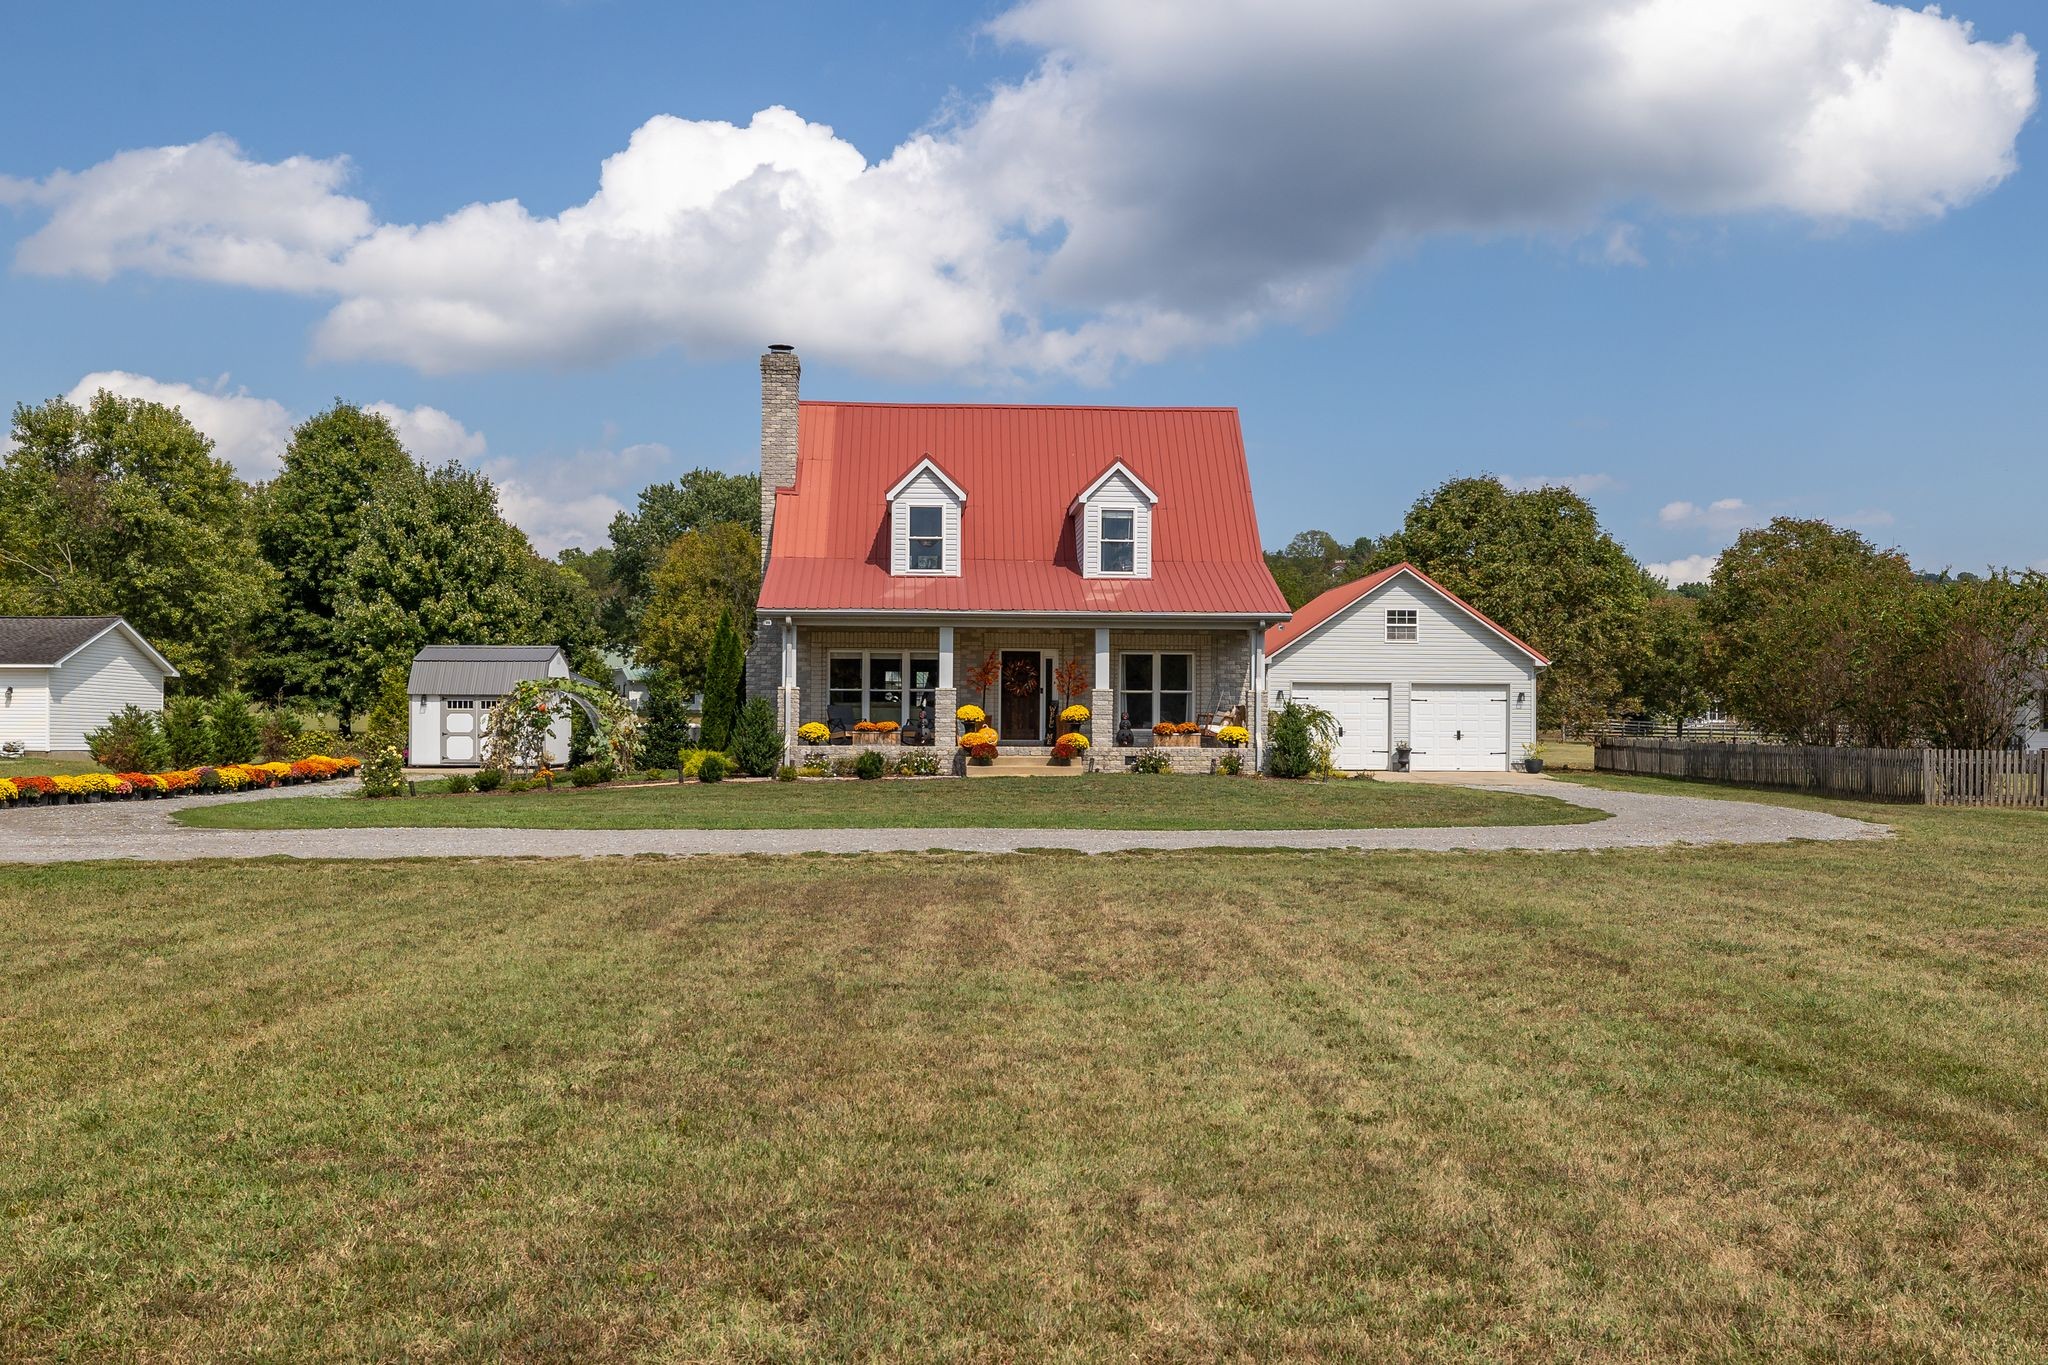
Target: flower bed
x,y
37,790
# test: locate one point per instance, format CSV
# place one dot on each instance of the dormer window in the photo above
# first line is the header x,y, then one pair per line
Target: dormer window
x,y
924,522
927,538
1119,540
1113,525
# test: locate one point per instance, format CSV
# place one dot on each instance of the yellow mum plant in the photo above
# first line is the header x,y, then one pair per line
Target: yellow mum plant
x,y
813,732
975,738
971,714
1234,735
1074,714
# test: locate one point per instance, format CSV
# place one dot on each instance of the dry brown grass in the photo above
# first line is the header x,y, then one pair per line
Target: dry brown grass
x,y
1708,1104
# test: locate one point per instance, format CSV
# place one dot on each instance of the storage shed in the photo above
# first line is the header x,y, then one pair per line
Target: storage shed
x,y
1399,659
62,676
453,688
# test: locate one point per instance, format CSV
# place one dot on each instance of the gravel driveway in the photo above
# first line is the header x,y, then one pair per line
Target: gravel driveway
x,y
145,830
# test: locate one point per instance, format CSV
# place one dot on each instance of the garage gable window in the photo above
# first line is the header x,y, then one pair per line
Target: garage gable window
x,y
1401,623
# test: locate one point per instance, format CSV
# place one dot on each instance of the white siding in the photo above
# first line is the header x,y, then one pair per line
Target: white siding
x,y
424,746
1120,494
97,681
25,717
1450,649
925,490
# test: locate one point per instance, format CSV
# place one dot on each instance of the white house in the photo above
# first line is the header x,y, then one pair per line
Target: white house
x,y
1399,659
62,676
453,688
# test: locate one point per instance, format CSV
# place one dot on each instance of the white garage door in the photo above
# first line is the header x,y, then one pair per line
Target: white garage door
x,y
1362,721
1458,729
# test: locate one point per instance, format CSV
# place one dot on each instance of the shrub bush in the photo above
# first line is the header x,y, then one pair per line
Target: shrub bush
x,y
521,784
589,775
490,779
1152,761
132,741
384,774
785,773
1301,741
842,765
236,736
461,783
188,732
691,759
1231,764
712,767
814,770
918,763
756,743
869,765
276,729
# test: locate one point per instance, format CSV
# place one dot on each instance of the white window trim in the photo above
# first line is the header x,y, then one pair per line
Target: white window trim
x,y
1413,625
1102,570
910,539
1157,674
902,658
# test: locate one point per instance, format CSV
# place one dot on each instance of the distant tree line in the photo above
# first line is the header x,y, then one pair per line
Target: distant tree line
x,y
1805,630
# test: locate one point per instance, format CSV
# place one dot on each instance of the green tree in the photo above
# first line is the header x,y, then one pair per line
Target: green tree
x,y
236,735
756,743
1537,562
1986,659
666,732
1812,632
188,732
309,523
706,576
1670,676
640,539
436,564
119,507
724,683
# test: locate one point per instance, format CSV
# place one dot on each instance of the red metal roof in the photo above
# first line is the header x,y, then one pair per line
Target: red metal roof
x,y
1021,467
1312,614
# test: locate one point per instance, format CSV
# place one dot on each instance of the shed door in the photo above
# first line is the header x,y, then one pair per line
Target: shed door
x,y
460,717
1362,715
1458,729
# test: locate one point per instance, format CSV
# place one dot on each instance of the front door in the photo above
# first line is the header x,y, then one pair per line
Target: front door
x,y
1023,686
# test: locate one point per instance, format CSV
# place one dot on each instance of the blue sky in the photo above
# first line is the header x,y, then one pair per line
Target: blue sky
x,y
1396,280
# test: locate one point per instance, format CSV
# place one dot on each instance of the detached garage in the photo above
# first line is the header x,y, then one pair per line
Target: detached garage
x,y
62,676
1399,659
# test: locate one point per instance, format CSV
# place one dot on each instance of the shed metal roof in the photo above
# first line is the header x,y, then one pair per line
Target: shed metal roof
x,y
477,670
1021,467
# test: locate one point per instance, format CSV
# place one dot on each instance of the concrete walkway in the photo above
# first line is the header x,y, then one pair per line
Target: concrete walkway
x,y
145,830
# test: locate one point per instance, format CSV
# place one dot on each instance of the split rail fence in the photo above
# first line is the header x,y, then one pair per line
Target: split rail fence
x,y
1933,777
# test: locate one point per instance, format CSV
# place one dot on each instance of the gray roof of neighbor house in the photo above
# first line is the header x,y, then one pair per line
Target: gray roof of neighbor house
x,y
45,640
477,670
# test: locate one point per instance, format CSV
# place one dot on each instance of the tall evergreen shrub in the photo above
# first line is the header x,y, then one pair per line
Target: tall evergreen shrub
x,y
724,683
756,744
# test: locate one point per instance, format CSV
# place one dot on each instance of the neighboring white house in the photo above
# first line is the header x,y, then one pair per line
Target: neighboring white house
x,y
453,688
1399,659
62,676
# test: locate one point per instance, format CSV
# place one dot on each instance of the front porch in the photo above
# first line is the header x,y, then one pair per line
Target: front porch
x,y
857,678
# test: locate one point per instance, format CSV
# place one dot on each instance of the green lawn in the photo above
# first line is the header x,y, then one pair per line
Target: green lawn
x,y
33,766
1109,801
1755,1104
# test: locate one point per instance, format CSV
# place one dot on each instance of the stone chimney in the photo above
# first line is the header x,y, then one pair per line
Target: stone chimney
x,y
779,371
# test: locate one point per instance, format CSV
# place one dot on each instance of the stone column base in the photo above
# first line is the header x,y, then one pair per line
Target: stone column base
x,y
945,726
1101,727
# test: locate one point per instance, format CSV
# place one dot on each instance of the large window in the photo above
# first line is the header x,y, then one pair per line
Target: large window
x,y
882,685
1119,541
927,539
1156,687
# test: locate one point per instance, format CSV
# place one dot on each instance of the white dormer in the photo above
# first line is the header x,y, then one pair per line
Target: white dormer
x,y
1113,524
924,523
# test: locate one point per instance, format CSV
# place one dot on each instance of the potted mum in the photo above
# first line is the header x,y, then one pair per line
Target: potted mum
x,y
1069,747
1169,734
980,745
875,732
814,732
1074,719
1233,736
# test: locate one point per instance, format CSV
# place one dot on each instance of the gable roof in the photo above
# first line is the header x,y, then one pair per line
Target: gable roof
x,y
47,641
1025,465
926,464
1115,469
482,670
1333,603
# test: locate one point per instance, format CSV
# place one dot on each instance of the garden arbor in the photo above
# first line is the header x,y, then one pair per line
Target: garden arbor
x,y
516,731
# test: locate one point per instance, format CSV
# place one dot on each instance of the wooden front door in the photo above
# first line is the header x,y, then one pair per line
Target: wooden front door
x,y
1023,687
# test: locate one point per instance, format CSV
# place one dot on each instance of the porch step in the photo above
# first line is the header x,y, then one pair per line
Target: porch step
x,y
1029,763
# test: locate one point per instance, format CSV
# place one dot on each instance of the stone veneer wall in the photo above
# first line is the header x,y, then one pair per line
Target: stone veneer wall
x,y
1196,759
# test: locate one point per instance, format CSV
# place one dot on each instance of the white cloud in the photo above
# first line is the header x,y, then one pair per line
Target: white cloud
x,y
1690,569
1585,485
1723,514
559,503
1168,175
1622,245
249,433
432,435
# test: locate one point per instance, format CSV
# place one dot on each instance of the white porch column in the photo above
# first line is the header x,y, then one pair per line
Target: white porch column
x,y
945,656
791,705
1255,713
1102,681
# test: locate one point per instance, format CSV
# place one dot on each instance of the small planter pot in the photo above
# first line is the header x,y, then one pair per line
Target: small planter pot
x,y
1176,741
1532,765
877,736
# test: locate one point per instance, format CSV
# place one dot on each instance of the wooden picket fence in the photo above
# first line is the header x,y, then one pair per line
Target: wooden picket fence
x,y
1934,777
